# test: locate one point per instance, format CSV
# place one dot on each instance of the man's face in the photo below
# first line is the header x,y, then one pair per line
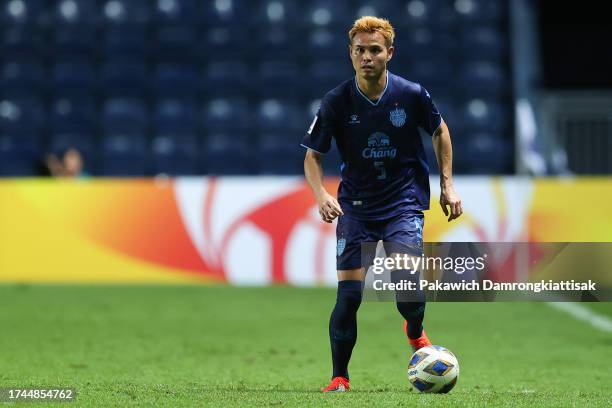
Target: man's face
x,y
73,163
369,54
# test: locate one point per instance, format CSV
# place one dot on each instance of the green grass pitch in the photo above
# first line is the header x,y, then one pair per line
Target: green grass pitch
x,y
221,346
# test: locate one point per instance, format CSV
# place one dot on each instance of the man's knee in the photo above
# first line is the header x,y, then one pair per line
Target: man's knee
x,y
350,293
351,274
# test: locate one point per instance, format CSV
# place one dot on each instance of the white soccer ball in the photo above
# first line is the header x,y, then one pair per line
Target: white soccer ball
x,y
433,369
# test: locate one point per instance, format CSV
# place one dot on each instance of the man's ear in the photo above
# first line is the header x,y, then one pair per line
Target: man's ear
x,y
390,52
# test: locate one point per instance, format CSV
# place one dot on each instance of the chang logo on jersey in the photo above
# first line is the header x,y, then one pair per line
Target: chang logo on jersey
x,y
397,117
379,147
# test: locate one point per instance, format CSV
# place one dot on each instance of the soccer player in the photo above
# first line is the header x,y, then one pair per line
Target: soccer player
x,y
374,119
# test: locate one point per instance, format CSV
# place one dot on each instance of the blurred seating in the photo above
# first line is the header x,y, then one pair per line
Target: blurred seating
x,y
228,77
278,121
325,75
75,40
22,77
21,12
437,14
123,155
69,12
124,78
482,78
125,40
176,11
124,115
326,42
229,153
279,78
17,41
483,43
19,156
479,114
175,116
22,116
73,78
433,75
278,40
145,87
227,113
176,43
175,154
322,13
176,80
127,11
383,8
485,154
424,43
278,154
77,114
449,112
276,12
274,114
479,11
228,12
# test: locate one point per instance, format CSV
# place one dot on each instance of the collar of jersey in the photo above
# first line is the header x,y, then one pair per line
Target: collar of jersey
x,y
381,96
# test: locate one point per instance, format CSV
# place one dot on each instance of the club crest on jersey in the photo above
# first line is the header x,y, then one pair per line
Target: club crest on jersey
x,y
341,245
354,119
398,117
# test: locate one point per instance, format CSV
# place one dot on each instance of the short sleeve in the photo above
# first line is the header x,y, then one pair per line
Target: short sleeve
x,y
430,119
319,135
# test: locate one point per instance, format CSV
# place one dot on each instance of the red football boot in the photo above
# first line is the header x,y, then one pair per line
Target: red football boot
x,y
421,342
338,384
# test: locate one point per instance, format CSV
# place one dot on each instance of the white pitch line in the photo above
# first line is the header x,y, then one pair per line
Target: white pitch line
x,y
580,312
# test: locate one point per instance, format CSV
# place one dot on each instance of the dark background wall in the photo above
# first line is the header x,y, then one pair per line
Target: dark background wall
x,y
576,44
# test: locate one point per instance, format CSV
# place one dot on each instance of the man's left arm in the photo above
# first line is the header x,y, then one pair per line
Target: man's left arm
x,y
444,155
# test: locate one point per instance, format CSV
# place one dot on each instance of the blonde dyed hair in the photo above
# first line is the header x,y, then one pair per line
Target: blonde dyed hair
x,y
371,24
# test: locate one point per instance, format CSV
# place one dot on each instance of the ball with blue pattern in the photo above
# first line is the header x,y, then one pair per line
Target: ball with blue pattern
x,y
433,369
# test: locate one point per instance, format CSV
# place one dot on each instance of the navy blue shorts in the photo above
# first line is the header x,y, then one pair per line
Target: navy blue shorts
x,y
404,230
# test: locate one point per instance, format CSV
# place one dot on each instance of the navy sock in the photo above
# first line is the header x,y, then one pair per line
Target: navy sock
x,y
343,325
413,312
410,304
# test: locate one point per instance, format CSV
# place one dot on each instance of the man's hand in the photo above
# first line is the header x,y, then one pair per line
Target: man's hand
x,y
450,198
329,208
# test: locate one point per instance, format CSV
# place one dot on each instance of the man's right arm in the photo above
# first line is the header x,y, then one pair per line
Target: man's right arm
x,y
329,208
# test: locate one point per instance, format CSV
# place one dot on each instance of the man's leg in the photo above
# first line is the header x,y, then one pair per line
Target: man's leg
x,y
404,235
350,234
410,304
343,321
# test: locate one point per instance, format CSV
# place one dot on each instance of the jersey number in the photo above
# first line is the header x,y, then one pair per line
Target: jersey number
x,y
380,168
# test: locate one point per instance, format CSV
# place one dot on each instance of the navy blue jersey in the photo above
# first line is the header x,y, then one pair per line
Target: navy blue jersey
x,y
384,169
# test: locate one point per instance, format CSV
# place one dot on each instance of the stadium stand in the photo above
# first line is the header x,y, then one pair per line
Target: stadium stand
x,y
228,86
